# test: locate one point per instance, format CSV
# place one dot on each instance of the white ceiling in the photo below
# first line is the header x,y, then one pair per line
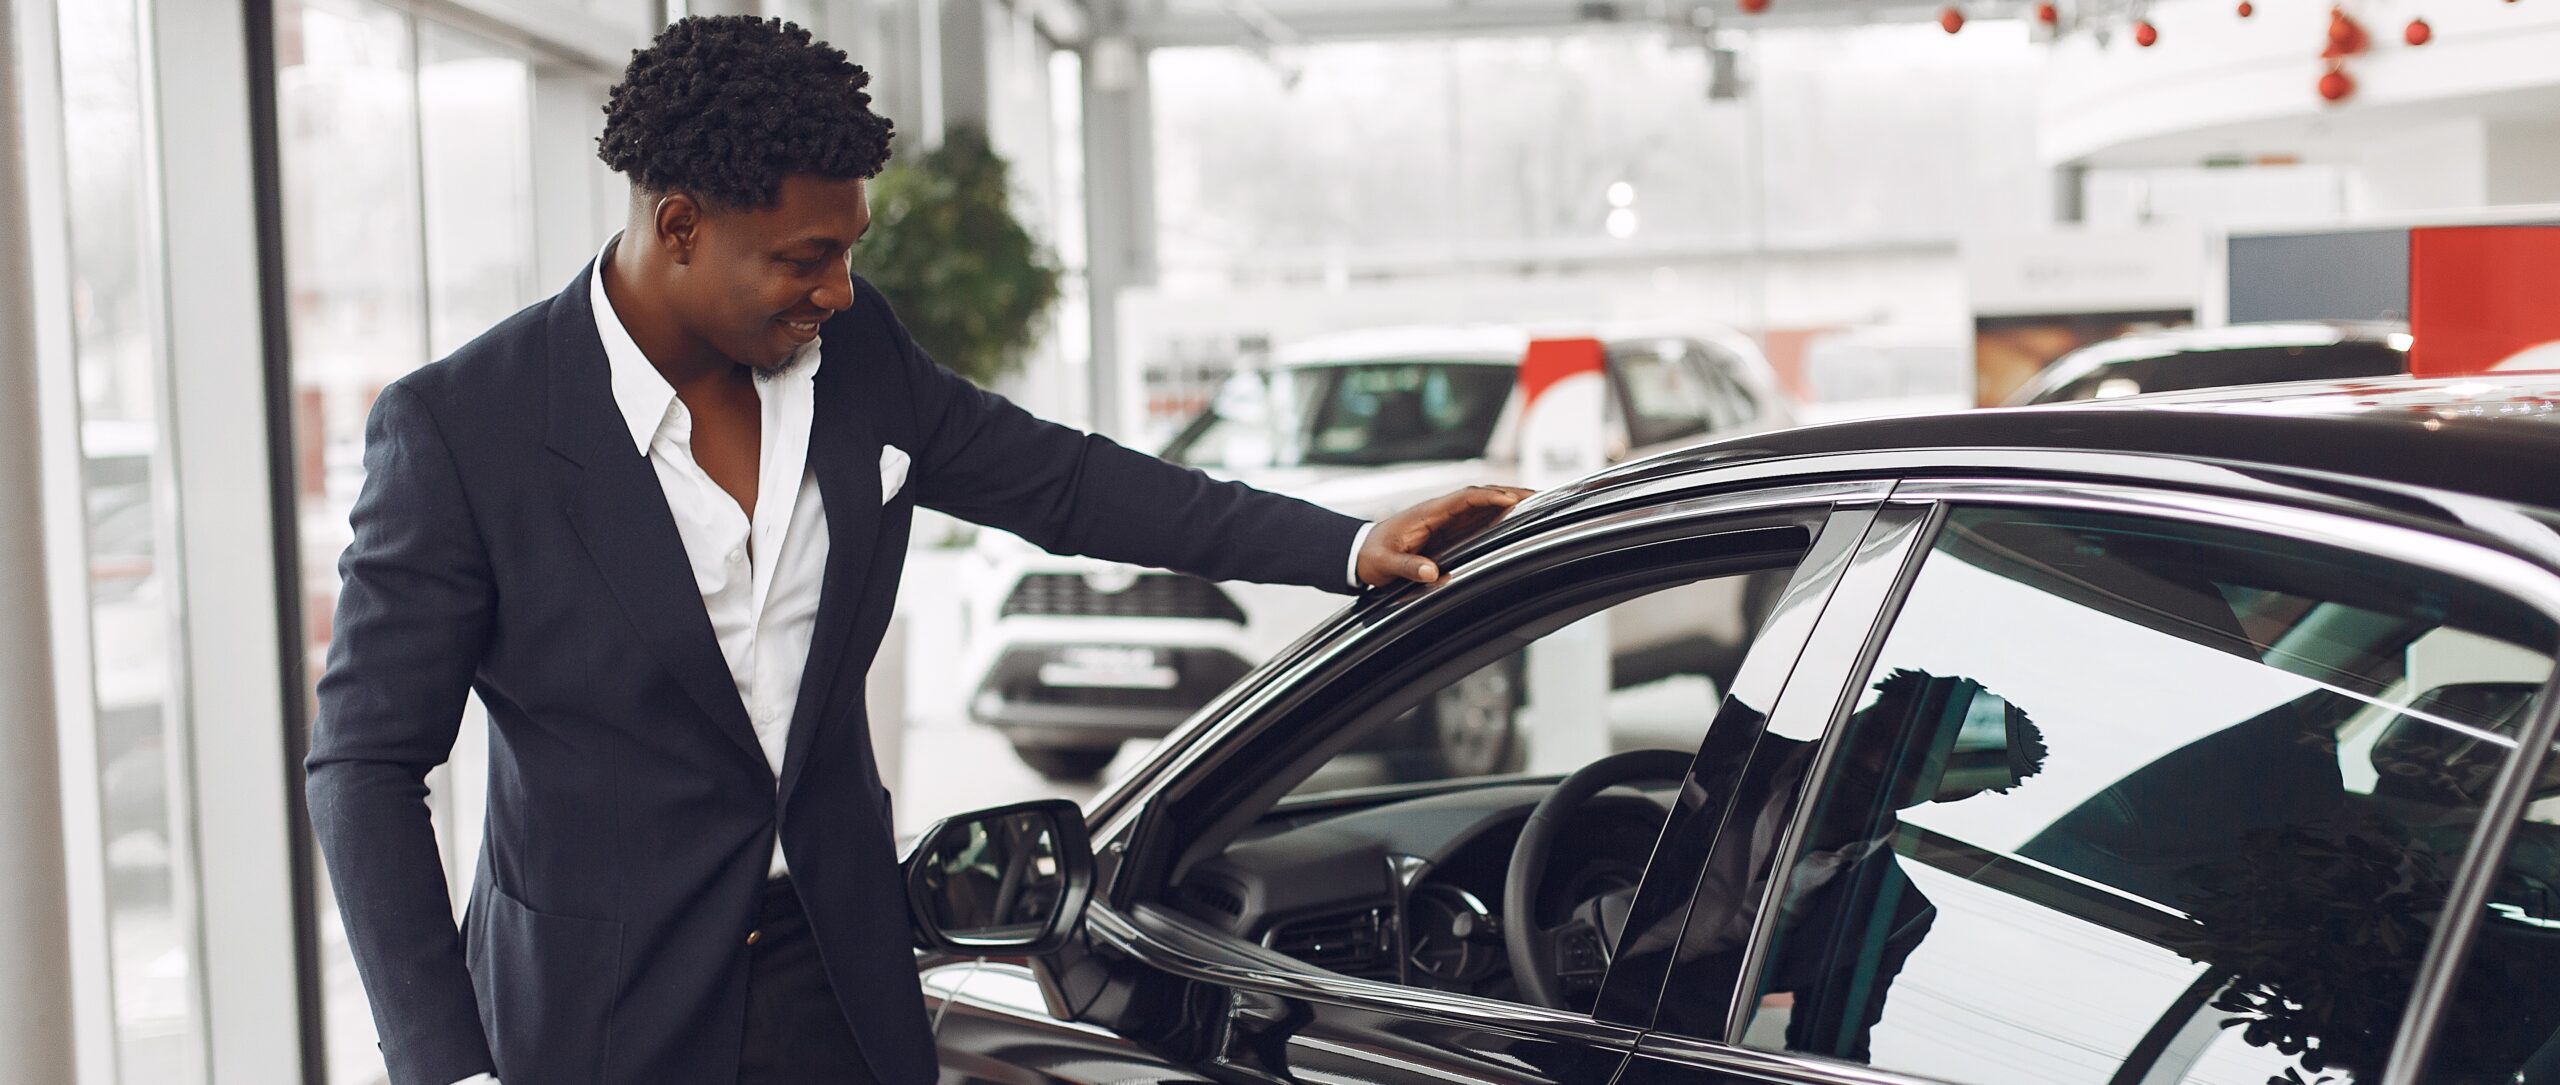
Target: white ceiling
x,y
1267,23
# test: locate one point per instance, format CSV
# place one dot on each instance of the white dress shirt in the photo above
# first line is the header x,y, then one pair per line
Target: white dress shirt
x,y
760,575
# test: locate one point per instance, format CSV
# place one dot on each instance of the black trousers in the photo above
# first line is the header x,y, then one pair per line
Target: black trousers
x,y
796,1032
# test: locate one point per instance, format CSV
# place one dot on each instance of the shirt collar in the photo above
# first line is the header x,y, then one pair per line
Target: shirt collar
x,y
640,392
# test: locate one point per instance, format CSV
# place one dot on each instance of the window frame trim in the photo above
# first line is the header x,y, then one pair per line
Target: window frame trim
x,y
2495,570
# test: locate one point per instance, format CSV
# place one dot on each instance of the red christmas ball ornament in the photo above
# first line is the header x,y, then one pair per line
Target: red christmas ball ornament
x,y
2337,85
1950,19
2047,14
2346,35
2145,34
1752,7
2247,9
2418,33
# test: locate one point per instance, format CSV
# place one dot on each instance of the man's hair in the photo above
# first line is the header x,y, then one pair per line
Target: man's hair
x,y
725,106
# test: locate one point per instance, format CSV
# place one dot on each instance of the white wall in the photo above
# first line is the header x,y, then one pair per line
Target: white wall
x,y
2438,166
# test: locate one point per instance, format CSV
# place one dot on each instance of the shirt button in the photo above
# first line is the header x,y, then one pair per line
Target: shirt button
x,y
737,557
754,936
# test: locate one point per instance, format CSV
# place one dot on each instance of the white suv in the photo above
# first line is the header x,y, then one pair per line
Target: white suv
x,y
1075,656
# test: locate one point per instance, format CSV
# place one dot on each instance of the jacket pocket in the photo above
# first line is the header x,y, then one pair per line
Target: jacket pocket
x,y
547,985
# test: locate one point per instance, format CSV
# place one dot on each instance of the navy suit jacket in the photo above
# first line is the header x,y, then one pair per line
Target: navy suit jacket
x,y
510,541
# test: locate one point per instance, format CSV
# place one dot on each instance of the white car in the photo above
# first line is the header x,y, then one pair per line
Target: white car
x,y
1075,656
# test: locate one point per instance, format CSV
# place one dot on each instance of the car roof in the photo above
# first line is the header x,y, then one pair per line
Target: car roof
x,y
2494,436
2203,346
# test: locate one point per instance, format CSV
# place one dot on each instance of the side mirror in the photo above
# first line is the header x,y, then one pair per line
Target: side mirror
x,y
1011,881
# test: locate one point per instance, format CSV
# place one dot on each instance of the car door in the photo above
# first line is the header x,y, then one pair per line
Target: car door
x,y
1261,917
2122,787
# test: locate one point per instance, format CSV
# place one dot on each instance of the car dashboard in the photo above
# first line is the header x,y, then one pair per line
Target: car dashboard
x,y
1410,891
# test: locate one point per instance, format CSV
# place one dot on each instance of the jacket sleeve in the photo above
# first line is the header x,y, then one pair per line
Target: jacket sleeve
x,y
990,462
413,614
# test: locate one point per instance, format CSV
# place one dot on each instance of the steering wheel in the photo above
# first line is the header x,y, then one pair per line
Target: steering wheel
x,y
1542,958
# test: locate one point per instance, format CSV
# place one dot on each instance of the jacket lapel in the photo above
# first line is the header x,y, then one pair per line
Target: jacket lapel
x,y
614,503
845,455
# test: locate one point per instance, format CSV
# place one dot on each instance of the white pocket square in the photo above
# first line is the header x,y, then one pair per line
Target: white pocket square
x,y
893,471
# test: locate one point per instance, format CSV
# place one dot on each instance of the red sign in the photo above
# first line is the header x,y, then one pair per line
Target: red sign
x,y
1552,360
2483,298
1564,411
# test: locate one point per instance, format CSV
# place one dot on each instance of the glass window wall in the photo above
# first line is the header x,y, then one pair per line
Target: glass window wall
x,y
407,160
153,965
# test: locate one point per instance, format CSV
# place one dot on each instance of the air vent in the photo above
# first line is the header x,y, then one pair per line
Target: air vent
x,y
1214,899
1358,943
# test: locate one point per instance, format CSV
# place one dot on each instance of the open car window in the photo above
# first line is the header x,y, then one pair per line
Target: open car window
x,y
2136,800
1373,834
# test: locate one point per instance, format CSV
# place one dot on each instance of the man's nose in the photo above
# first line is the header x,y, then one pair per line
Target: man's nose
x,y
835,295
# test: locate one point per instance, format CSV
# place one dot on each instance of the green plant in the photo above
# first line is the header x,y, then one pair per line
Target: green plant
x,y
971,284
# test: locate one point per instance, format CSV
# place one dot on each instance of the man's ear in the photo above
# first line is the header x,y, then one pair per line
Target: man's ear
x,y
678,222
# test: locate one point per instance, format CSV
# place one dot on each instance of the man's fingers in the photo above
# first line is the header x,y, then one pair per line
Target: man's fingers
x,y
1452,505
1495,496
1436,523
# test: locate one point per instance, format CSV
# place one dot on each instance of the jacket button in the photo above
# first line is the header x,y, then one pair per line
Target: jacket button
x,y
752,936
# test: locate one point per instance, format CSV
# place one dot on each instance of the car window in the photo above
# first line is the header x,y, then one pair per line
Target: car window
x,y
2503,1024
1730,401
2126,800
1662,660
1667,397
1361,414
1376,837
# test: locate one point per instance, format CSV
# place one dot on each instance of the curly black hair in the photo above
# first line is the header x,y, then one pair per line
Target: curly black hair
x,y
724,106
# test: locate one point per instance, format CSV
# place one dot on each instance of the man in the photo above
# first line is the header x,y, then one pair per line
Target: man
x,y
657,522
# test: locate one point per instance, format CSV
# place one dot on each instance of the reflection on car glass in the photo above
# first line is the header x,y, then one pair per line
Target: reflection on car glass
x,y
1846,915
2259,764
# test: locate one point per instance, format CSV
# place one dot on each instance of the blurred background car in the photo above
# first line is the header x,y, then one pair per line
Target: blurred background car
x,y
1076,656
2182,359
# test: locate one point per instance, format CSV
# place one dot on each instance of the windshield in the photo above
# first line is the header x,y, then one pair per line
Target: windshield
x,y
1362,414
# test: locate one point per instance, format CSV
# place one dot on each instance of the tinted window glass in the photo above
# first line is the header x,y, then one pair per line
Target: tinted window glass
x,y
1364,414
2504,1022
2128,800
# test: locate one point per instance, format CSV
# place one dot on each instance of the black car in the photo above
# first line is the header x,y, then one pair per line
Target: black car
x,y
2122,743
2186,359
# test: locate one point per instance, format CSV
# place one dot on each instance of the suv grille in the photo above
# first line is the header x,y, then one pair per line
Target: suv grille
x,y
1155,595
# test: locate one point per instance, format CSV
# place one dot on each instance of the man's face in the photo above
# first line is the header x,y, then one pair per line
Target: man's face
x,y
759,282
